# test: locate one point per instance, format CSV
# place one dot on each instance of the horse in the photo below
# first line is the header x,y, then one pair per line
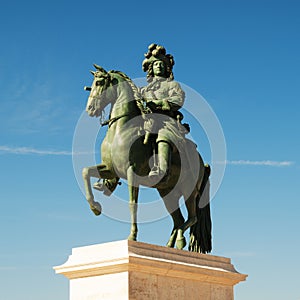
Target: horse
x,y
125,155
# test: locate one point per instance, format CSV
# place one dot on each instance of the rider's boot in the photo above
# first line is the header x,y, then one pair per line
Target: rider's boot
x,y
161,171
107,186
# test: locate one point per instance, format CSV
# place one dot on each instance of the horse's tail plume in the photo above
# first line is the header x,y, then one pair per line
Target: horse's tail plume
x,y
200,233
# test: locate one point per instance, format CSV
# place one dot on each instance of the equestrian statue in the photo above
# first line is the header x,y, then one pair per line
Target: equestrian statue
x,y
146,145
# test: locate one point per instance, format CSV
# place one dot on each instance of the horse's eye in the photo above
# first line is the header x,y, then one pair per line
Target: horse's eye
x,y
100,82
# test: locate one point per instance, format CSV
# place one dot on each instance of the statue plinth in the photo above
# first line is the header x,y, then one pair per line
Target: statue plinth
x,y
135,270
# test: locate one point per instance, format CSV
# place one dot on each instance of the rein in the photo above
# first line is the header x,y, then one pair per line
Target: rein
x,y
112,120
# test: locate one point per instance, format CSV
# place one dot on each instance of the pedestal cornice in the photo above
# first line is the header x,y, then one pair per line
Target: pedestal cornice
x,y
130,256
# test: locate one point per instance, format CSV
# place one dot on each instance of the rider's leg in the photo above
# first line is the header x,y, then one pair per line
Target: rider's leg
x,y
163,157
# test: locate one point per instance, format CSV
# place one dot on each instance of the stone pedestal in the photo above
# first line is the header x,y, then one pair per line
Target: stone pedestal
x,y
133,270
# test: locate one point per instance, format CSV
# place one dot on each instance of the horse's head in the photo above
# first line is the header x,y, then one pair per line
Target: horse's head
x,y
100,92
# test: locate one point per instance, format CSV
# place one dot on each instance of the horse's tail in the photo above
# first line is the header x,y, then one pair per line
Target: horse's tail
x,y
200,233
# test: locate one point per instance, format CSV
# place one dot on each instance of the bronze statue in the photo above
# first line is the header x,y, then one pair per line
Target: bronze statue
x,y
144,124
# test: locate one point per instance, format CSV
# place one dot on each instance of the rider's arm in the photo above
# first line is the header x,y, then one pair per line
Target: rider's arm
x,y
173,102
175,98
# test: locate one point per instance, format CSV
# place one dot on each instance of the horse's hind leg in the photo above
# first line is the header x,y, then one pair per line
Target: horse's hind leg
x,y
171,202
192,211
87,173
192,219
133,202
177,221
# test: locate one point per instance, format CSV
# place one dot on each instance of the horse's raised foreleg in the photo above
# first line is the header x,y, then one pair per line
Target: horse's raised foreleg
x,y
87,173
133,202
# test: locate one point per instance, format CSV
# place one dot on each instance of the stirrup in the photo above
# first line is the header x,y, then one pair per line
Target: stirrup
x,y
155,171
157,175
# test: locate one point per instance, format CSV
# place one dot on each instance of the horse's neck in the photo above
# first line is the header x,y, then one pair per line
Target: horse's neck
x,y
125,103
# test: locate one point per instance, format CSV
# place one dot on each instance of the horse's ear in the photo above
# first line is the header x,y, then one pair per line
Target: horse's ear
x,y
99,68
93,73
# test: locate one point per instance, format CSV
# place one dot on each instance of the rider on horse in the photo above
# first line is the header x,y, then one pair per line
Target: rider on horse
x,y
126,154
164,97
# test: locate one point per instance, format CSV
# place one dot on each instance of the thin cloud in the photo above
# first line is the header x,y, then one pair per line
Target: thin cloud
x,y
270,163
8,268
27,151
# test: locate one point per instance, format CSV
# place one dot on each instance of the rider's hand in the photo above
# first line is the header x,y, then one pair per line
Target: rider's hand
x,y
158,105
165,105
152,105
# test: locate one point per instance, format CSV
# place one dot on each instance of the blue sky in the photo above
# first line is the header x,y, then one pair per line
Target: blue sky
x,y
241,56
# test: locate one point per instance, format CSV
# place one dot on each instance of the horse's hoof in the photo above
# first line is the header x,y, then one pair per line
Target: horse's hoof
x,y
171,241
180,240
96,208
180,243
132,237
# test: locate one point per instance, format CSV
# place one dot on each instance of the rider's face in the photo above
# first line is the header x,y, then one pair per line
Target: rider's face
x,y
158,68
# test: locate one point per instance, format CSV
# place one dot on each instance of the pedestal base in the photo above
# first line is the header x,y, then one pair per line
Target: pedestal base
x,y
133,270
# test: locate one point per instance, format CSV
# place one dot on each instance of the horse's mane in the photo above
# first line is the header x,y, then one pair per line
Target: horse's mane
x,y
135,90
